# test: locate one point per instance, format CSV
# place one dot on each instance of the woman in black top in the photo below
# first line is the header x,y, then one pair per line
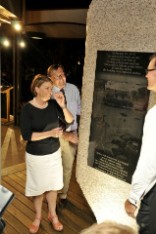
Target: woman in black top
x,y
39,125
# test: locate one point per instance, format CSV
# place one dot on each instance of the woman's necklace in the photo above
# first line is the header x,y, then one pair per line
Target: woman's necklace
x,y
39,105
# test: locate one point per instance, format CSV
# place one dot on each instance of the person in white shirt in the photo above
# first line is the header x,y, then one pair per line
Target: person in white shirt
x,y
69,139
144,178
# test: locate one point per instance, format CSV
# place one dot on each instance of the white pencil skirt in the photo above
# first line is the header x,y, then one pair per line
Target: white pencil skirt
x,y
43,173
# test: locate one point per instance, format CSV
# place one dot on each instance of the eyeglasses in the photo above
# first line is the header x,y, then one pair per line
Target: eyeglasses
x,y
59,77
149,70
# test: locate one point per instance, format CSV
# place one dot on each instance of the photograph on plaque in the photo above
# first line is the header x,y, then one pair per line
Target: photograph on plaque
x,y
120,102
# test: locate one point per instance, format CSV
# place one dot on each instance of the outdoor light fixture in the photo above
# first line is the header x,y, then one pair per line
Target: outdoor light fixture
x,y
5,42
17,25
22,43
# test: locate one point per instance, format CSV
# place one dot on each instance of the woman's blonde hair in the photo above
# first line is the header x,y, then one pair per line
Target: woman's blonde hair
x,y
108,227
37,81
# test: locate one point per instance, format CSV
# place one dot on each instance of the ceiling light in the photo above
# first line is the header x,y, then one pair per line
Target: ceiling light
x,y
36,35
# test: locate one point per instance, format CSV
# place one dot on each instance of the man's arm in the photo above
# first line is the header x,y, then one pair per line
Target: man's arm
x,y
144,176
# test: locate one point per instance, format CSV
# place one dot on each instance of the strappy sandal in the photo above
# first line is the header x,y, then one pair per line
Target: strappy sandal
x,y
57,225
33,227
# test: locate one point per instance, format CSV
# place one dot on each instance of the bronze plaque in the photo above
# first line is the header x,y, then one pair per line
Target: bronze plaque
x,y
120,103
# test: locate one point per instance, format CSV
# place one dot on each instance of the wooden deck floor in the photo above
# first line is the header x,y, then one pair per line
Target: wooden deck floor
x,y
76,216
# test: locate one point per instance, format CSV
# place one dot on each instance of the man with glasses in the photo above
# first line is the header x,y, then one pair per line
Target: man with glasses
x,y
144,178
69,140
